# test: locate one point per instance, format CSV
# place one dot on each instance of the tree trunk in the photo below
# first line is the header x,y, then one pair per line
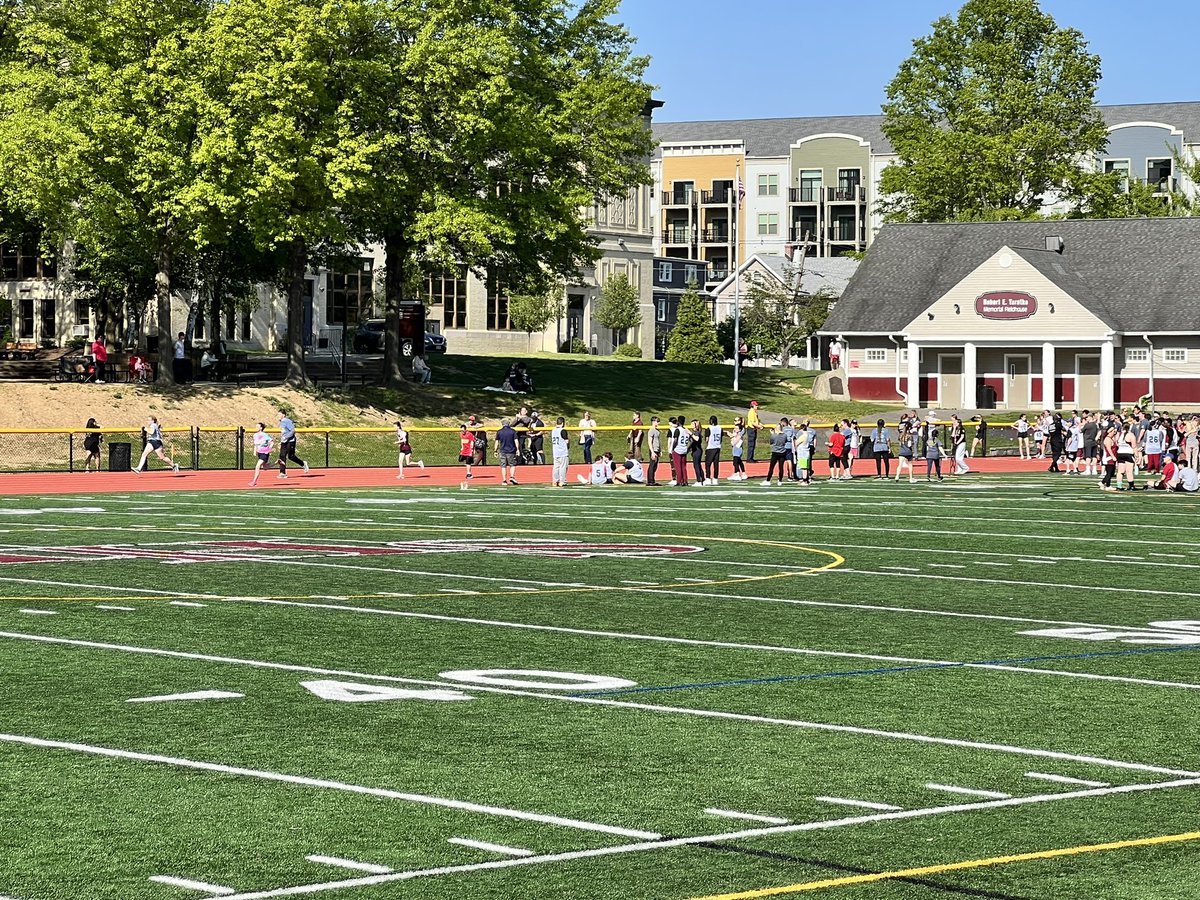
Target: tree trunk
x,y
396,251
162,298
297,265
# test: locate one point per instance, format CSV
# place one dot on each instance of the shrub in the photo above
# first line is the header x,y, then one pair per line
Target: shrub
x,y
628,351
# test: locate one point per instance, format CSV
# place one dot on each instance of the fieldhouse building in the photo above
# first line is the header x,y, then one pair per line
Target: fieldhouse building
x,y
1083,313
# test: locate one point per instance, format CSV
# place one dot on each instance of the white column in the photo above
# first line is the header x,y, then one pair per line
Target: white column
x,y
914,376
969,397
1107,376
1048,376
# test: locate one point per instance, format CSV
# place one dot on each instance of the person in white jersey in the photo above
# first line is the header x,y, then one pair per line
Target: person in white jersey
x,y
560,446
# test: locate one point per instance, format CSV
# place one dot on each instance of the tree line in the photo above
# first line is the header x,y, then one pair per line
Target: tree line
x,y
212,145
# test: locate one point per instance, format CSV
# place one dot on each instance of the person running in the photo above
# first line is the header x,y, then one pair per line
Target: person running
x,y
836,446
653,450
881,447
737,439
466,447
405,454
933,448
679,451
506,449
779,447
154,444
587,437
980,439
958,441
263,444
91,443
560,450
712,452
1022,429
907,432
287,445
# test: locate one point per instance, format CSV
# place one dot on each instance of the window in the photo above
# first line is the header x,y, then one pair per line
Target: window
x,y
810,185
25,325
662,309
904,356
1175,354
47,311
198,326
245,335
876,355
691,275
21,260
1158,173
83,312
230,323
350,288
848,182
447,288
843,228
768,185
665,272
1136,354
768,223
1121,166
497,302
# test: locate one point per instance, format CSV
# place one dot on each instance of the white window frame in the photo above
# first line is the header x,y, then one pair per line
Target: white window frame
x,y
904,355
1128,169
768,224
1137,355
1175,354
768,185
691,273
876,354
665,271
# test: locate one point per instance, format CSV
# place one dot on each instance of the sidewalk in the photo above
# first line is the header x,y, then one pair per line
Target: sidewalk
x,y
432,476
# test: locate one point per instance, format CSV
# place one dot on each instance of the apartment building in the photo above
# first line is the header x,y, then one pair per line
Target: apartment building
x,y
815,181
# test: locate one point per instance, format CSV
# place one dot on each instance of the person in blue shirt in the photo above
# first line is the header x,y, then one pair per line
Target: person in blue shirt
x,y
506,447
287,444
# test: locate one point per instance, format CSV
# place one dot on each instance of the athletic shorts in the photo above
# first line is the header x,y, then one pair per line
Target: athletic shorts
x,y
508,459
157,445
1124,457
263,457
466,458
1089,451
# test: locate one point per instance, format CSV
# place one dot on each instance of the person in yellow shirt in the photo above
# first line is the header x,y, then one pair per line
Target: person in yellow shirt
x,y
753,423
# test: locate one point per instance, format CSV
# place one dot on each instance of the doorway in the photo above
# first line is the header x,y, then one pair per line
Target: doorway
x,y
1087,382
950,371
1016,382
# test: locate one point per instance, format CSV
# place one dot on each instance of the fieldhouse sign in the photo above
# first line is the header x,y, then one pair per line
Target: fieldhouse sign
x,y
1006,305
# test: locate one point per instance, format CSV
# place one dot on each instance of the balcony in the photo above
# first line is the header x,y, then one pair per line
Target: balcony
x,y
719,197
804,194
845,233
677,198
716,275
714,236
802,228
677,236
849,193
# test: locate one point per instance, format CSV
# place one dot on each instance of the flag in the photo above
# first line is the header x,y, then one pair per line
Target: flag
x,y
741,188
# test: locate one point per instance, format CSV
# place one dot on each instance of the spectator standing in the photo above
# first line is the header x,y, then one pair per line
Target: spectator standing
x,y
91,443
637,436
802,450
1191,441
933,448
958,441
906,435
537,438
520,424
287,444
466,447
506,449
560,449
679,450
853,444
712,452
1090,431
1022,429
179,361
262,450
881,447
100,359
696,451
836,446
1056,435
753,423
737,439
835,354
653,450
587,437
154,444
779,448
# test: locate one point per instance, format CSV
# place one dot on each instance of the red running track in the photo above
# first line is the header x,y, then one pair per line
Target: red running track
x,y
157,479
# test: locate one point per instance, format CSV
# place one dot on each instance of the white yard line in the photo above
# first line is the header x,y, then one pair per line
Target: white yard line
x,y
622,849
350,864
970,792
1063,779
217,890
489,847
751,817
865,804
325,784
38,612
900,568
115,608
100,587
184,603
621,704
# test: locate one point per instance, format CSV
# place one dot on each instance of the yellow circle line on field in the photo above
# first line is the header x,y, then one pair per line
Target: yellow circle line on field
x,y
955,867
835,560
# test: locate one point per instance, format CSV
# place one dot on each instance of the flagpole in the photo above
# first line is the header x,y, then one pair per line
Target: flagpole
x,y
737,286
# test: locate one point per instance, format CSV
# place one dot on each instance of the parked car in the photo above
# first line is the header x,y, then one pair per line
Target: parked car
x,y
368,338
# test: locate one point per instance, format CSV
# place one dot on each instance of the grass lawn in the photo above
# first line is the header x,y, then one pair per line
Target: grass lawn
x,y
614,694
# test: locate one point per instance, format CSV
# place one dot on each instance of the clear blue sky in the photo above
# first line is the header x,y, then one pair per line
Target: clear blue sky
x,y
733,59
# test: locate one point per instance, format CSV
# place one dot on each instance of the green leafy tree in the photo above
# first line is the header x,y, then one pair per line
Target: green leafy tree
x,y
780,315
533,312
619,307
694,337
989,115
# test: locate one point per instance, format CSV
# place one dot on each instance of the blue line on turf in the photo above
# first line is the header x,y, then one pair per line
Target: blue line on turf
x,y
890,670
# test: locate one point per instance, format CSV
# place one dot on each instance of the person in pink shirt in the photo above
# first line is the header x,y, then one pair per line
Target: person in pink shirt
x,y
100,358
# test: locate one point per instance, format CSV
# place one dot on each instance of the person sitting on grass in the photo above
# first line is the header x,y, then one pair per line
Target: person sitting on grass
x,y
1187,479
602,471
1168,476
630,471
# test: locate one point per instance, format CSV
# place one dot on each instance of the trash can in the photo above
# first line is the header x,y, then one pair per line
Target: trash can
x,y
120,457
986,398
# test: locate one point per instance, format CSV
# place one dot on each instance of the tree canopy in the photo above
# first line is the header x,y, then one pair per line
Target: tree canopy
x,y
619,308
694,337
990,115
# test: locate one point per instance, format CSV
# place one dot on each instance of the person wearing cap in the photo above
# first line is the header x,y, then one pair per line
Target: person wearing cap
x,y
537,438
753,423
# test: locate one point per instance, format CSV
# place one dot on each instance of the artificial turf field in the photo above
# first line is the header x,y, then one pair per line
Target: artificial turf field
x,y
601,693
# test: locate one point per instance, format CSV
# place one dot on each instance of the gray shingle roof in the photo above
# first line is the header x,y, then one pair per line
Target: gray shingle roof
x,y
774,137
1135,274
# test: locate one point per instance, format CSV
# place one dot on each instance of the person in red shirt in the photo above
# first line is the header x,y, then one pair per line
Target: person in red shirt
x,y
466,447
837,447
100,357
1169,470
